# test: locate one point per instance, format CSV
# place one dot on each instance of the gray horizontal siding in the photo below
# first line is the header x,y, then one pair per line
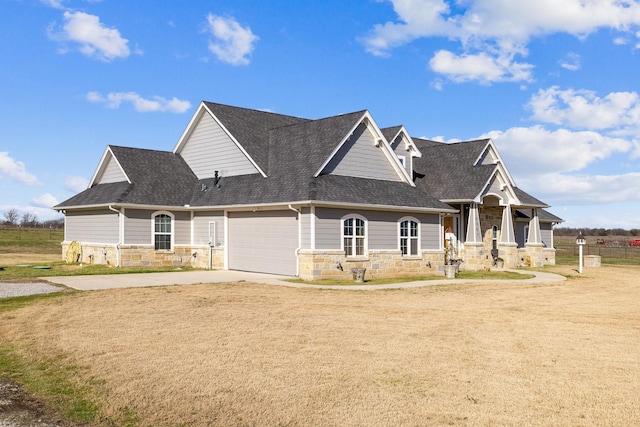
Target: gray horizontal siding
x,y
99,226
305,229
546,232
399,149
382,228
201,222
210,149
429,231
360,157
138,227
182,223
519,229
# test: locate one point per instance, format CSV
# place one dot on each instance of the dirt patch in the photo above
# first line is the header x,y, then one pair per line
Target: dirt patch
x,y
248,354
27,258
19,409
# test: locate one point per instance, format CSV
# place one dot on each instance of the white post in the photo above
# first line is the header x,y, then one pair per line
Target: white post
x,y
580,241
580,263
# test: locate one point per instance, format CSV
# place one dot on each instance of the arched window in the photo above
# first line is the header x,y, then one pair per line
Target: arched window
x,y
409,236
162,232
354,236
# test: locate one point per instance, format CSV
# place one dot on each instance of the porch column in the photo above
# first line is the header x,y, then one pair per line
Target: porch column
x,y
474,234
534,236
507,242
534,248
473,252
507,235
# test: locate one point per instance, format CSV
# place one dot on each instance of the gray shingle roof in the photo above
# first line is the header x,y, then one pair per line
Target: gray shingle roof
x,y
255,189
251,128
528,200
157,178
447,171
543,215
290,150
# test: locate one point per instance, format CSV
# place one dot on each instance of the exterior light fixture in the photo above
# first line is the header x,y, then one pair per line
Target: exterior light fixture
x,y
580,241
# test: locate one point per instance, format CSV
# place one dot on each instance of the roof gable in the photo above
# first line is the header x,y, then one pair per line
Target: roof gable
x,y
109,170
490,156
248,129
364,152
209,148
500,187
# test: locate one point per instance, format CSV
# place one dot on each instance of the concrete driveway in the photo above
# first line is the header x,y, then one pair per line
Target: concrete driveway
x,y
112,281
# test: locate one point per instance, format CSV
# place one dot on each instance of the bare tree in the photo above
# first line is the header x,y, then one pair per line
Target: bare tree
x,y
11,217
29,220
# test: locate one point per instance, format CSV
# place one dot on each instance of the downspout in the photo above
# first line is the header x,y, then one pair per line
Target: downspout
x,y
120,234
299,212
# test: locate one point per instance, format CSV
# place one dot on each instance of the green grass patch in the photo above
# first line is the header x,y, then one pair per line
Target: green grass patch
x,y
61,385
489,275
14,303
55,381
61,268
31,241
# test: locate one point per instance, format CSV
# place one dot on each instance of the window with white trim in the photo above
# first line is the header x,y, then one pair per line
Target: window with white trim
x,y
409,235
162,232
354,234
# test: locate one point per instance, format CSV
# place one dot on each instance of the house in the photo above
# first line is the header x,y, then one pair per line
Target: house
x,y
257,191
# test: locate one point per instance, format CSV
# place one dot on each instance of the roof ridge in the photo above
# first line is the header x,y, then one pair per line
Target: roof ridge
x,y
255,110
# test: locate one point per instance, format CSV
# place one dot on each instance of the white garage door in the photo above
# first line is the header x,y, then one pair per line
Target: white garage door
x,y
264,242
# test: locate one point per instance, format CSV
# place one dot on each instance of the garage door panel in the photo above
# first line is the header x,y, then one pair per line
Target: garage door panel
x,y
263,241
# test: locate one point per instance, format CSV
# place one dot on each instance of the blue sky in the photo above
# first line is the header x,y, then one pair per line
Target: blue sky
x,y
554,83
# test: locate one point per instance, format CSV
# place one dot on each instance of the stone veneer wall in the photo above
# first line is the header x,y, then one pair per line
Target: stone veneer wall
x,y
478,256
146,256
332,264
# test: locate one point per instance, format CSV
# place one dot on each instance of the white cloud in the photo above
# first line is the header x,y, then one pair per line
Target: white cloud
x,y
481,67
45,201
232,43
94,39
15,170
571,62
76,183
533,151
498,29
140,104
584,189
56,4
584,109
555,165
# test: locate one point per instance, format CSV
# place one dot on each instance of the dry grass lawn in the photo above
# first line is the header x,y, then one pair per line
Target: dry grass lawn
x,y
247,354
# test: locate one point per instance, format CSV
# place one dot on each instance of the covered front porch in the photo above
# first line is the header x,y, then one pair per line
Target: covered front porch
x,y
484,233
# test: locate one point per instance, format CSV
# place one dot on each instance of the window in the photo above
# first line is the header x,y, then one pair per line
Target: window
x,y
162,232
354,236
409,237
494,237
403,160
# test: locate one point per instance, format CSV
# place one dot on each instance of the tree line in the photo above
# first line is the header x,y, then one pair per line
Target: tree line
x,y
598,232
13,218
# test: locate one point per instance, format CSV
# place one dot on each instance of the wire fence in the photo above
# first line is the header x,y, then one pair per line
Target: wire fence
x,y
603,251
